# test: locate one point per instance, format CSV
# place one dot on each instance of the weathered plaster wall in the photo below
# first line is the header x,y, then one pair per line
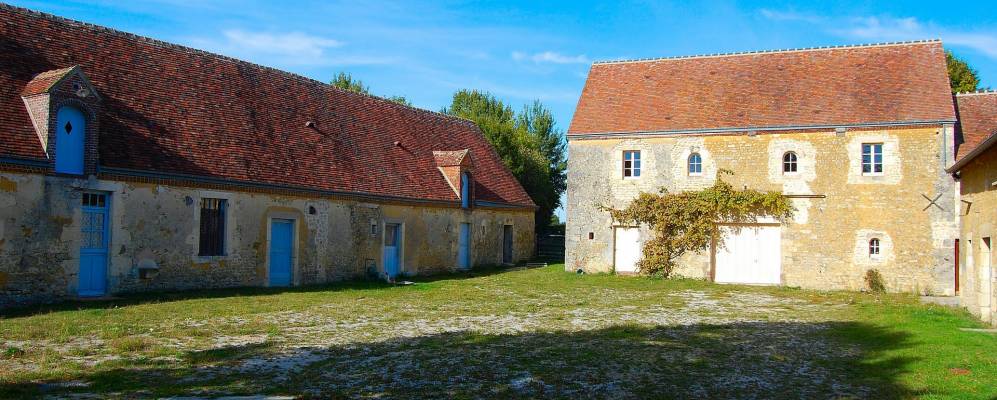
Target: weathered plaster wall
x,y
159,225
819,245
979,221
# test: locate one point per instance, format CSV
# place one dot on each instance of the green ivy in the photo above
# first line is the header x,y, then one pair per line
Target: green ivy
x,y
689,221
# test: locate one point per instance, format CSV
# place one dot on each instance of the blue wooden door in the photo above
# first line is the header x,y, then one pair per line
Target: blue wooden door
x,y
70,128
391,235
464,247
94,240
281,251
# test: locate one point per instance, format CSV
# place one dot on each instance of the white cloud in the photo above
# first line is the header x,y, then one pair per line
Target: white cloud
x,y
790,16
292,43
888,29
286,49
550,57
893,29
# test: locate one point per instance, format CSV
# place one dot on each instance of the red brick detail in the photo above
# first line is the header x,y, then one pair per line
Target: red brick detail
x,y
904,82
172,109
977,120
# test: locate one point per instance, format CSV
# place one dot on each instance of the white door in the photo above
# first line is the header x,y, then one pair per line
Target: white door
x,y
627,250
751,255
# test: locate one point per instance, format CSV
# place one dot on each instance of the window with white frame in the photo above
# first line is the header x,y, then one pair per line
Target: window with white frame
x,y
789,164
872,158
695,164
631,164
874,247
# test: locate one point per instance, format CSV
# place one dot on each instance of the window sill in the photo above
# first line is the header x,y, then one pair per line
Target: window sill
x,y
872,174
631,178
200,258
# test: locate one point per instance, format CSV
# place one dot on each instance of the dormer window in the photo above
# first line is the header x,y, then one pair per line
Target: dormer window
x,y
62,106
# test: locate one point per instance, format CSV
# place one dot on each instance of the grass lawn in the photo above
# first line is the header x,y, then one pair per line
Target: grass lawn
x,y
501,334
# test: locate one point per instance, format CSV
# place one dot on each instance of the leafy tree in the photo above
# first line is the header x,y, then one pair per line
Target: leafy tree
x,y
688,221
400,100
345,81
529,145
961,75
539,123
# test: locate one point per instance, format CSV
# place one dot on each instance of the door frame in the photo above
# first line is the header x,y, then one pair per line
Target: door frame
x,y
399,244
294,247
713,250
107,241
512,245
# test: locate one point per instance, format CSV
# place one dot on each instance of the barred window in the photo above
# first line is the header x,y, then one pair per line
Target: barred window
x,y
212,227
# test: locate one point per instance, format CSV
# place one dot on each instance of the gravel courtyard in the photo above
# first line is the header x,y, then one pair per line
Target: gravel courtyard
x,y
497,334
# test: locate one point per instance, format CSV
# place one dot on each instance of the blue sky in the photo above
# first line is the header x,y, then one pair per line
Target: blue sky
x,y
523,50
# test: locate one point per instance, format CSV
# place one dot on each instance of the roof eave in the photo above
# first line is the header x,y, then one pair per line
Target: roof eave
x,y
980,149
760,128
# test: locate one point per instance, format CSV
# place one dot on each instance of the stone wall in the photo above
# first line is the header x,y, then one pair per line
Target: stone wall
x,y
825,246
979,221
159,225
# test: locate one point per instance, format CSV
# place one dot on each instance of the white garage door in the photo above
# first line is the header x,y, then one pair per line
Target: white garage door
x,y
628,250
752,254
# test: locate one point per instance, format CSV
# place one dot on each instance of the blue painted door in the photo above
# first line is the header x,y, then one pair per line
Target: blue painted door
x,y
70,128
391,236
94,240
281,251
464,247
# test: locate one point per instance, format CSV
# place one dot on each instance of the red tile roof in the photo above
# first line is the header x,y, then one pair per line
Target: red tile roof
x,y
450,158
887,83
977,120
176,110
44,81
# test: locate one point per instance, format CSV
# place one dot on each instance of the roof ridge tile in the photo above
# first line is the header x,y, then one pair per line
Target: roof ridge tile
x,y
777,51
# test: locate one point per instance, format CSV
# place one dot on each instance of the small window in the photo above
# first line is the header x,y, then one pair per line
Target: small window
x,y
874,247
872,158
695,164
631,164
789,162
212,227
373,229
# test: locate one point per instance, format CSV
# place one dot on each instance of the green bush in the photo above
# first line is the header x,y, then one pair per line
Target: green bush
x,y
874,281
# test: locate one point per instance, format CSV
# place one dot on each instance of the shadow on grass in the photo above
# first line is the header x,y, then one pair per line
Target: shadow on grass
x,y
129,299
736,360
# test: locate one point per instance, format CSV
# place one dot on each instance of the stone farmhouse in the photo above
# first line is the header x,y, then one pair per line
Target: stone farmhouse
x,y
130,164
859,137
977,171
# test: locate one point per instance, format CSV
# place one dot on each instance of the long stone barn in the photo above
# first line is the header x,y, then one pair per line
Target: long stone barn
x,y
129,164
859,137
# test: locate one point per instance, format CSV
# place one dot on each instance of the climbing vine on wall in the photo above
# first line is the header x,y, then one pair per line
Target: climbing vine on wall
x,y
688,221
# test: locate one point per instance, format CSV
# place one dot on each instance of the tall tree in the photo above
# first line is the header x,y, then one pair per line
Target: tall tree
x,y
529,145
539,122
961,75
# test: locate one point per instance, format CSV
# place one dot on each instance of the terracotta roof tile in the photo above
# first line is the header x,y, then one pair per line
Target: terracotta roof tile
x,y
904,82
449,158
172,109
977,120
42,82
